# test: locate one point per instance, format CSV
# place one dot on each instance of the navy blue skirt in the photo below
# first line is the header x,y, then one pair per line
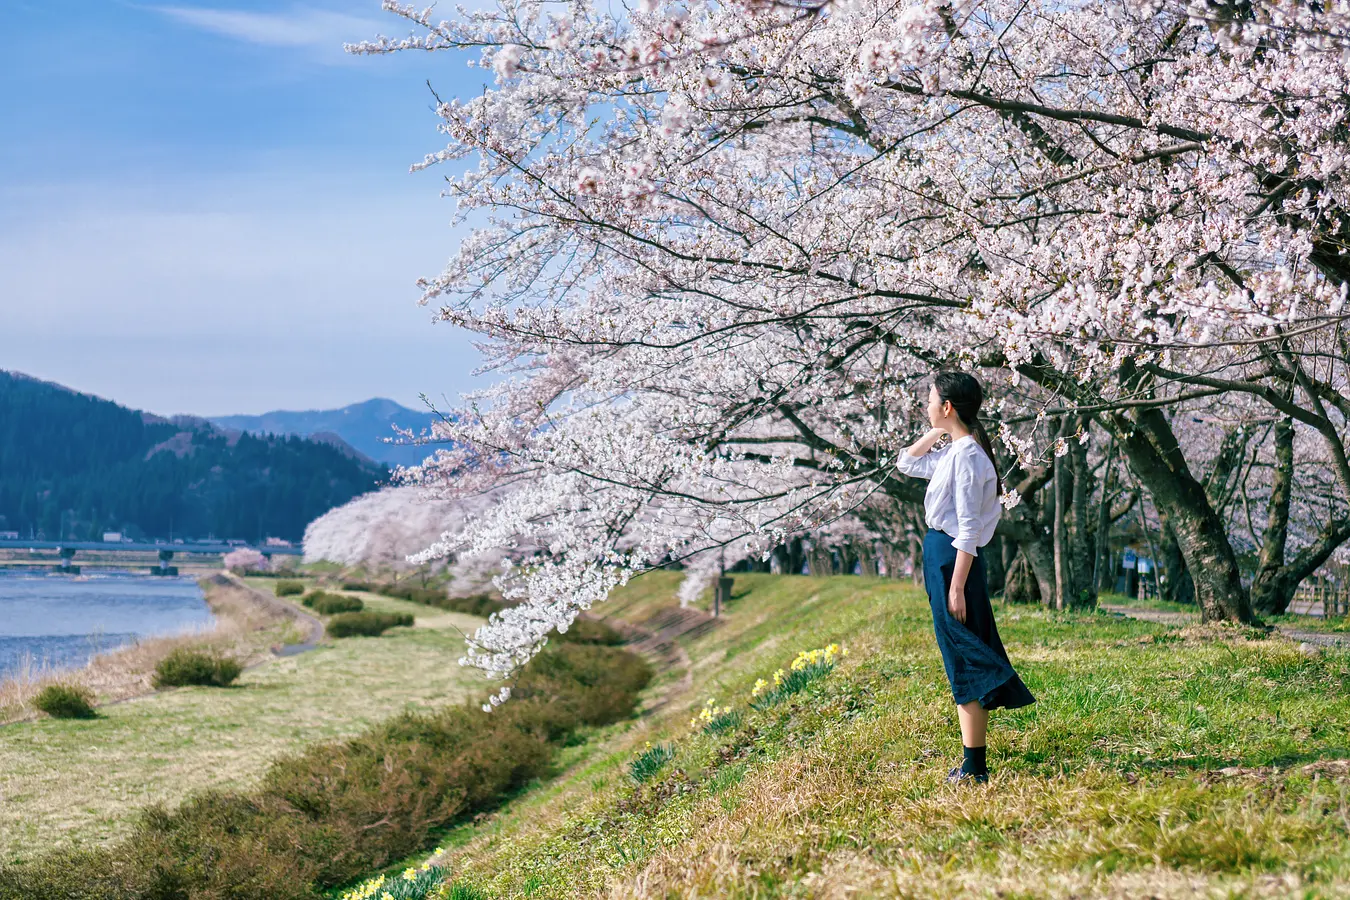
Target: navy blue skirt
x,y
976,663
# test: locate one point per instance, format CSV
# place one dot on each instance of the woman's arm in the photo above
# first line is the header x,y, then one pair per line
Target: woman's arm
x,y
916,460
956,594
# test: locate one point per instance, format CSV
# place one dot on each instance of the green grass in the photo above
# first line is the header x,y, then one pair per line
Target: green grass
x,y
424,616
1158,762
68,783
1154,603
1335,625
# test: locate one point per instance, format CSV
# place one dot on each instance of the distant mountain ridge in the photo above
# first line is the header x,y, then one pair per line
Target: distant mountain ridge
x,y
74,465
361,425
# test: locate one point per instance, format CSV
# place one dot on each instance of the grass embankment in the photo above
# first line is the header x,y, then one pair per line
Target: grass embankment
x,y
80,783
246,627
1158,762
334,812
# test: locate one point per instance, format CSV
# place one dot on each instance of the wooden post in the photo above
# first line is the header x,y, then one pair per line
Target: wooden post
x,y
721,577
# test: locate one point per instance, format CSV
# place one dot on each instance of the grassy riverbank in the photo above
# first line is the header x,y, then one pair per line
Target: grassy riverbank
x,y
247,626
76,783
1158,762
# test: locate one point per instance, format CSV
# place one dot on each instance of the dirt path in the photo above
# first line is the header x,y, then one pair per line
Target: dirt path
x,y
655,638
276,605
1316,638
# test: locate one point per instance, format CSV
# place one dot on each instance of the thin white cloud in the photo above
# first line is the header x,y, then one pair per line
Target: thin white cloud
x,y
299,26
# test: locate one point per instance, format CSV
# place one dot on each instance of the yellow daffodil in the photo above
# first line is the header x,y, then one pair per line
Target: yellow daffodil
x,y
410,874
760,685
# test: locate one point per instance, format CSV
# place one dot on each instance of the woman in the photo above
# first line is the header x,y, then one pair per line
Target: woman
x,y
961,508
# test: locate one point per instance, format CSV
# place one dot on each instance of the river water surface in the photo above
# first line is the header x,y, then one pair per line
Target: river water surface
x,y
60,621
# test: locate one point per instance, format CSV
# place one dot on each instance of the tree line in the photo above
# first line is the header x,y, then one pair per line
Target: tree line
x,y
76,466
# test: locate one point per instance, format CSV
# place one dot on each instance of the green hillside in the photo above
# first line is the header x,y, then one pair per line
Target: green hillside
x,y
74,466
1156,763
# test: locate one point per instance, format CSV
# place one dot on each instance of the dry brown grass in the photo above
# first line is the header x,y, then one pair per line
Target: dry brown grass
x,y
80,783
248,624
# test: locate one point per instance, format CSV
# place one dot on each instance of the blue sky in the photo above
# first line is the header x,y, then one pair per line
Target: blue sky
x,y
207,208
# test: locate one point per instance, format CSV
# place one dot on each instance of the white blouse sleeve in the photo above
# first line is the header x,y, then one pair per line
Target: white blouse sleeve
x,y
968,494
921,466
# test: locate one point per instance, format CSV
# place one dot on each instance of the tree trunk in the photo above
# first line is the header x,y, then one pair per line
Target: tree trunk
x,y
866,555
1008,554
1179,587
916,554
994,573
1057,534
1082,586
1270,592
1021,585
1040,557
1152,450
1101,569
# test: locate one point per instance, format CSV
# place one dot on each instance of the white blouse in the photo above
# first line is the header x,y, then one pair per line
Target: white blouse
x,y
962,496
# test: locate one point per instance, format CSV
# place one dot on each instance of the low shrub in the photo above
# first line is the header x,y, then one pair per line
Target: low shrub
x,y
474,604
357,586
289,588
331,604
370,624
66,701
186,666
589,631
337,811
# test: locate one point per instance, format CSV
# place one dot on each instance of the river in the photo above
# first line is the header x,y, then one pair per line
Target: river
x,y
60,621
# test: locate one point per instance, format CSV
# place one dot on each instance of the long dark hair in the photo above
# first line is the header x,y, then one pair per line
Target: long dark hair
x,y
964,393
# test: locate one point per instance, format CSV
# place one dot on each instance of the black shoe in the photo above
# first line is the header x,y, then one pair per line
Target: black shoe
x,y
956,775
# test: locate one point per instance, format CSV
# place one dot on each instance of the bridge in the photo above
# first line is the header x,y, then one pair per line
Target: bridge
x,y
67,550
213,549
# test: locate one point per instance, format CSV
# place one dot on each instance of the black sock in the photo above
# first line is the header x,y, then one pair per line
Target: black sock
x,y
974,764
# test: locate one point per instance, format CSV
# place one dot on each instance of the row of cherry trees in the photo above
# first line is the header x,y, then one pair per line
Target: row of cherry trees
x,y
720,248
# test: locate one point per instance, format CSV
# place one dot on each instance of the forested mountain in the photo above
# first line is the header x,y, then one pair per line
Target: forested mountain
x,y
362,425
73,465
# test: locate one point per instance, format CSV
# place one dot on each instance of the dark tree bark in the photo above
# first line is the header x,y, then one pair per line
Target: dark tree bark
x,y
1179,588
1101,565
1021,585
1149,445
1058,537
1147,441
994,572
1082,587
1271,592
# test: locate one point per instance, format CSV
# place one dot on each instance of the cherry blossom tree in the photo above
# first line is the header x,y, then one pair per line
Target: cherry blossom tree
x,y
245,559
721,247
